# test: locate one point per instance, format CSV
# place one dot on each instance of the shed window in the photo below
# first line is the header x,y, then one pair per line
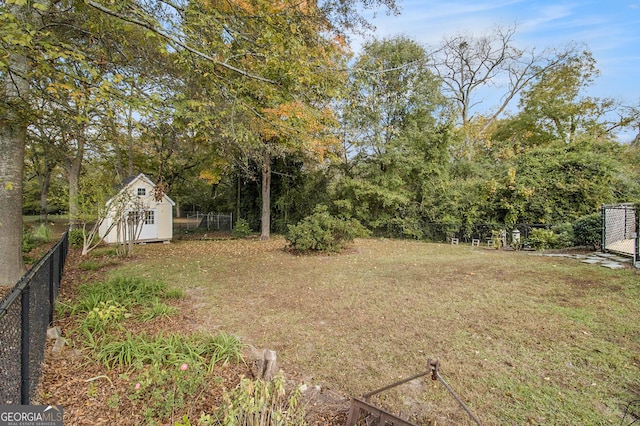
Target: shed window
x,y
142,192
149,217
133,217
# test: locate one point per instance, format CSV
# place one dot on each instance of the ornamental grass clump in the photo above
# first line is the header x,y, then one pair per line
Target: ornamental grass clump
x,y
127,291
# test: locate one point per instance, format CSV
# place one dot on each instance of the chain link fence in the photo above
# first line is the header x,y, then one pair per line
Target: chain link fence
x,y
25,313
208,221
620,229
217,222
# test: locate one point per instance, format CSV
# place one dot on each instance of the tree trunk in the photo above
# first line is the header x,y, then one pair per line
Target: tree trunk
x,y
130,137
45,183
266,197
238,199
116,147
73,175
11,168
13,131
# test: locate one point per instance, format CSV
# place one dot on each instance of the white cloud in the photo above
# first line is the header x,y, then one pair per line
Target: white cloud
x,y
546,17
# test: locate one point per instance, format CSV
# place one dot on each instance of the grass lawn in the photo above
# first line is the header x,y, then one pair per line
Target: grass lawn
x,y
521,338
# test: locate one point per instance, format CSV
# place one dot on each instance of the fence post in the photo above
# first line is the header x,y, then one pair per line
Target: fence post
x,y
625,223
52,294
603,226
25,348
637,237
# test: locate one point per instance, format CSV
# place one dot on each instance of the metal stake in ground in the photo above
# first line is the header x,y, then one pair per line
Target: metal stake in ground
x,y
434,365
360,407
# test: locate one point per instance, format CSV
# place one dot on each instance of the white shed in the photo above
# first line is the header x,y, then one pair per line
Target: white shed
x,y
138,202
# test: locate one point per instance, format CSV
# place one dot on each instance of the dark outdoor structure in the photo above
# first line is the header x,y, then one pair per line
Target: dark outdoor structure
x,y
25,314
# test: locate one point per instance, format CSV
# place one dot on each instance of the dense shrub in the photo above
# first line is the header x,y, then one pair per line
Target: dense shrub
x,y
76,238
28,243
587,230
242,229
564,233
323,232
406,227
541,239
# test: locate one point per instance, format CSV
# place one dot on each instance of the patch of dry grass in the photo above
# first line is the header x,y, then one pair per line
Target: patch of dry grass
x,y
523,339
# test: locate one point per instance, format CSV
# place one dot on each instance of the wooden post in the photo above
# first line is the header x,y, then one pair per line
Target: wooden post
x,y
264,363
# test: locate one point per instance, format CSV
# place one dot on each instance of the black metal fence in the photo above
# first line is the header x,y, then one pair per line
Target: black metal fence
x,y
25,314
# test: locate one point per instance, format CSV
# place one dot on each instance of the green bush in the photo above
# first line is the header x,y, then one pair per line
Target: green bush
x,y
406,227
587,230
76,239
103,317
541,239
242,229
323,232
496,238
559,236
28,242
565,237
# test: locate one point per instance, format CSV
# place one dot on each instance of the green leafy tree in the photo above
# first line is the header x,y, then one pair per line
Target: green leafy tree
x,y
20,40
399,128
273,64
554,106
559,183
40,163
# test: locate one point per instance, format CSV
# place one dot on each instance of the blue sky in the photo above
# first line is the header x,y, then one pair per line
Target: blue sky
x,y
610,29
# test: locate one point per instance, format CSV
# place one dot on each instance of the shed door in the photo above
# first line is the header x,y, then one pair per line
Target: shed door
x,y
150,225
